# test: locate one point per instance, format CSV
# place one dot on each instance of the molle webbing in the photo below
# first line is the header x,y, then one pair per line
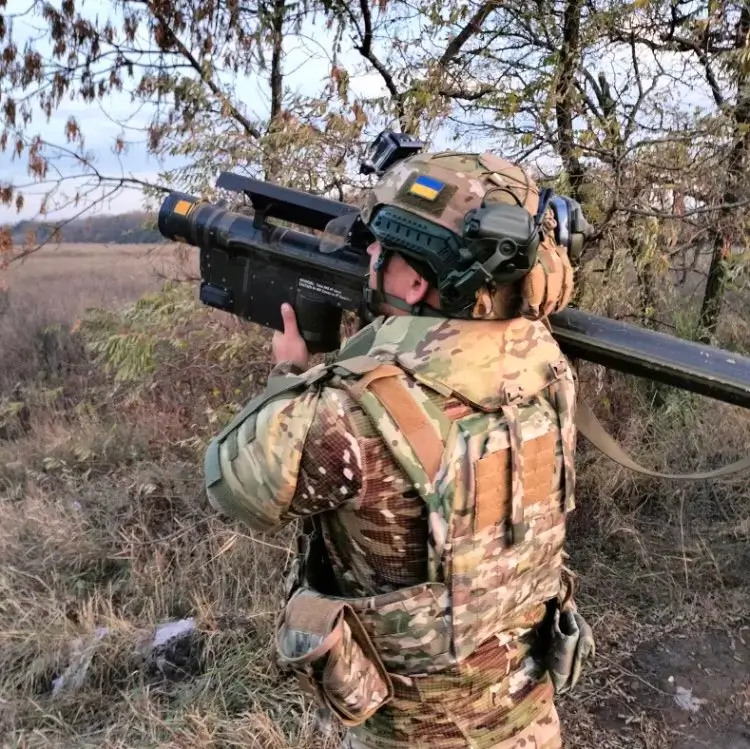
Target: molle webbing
x,y
517,527
382,391
494,490
565,406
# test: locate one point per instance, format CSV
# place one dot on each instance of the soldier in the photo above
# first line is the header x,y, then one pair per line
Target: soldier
x,y
431,462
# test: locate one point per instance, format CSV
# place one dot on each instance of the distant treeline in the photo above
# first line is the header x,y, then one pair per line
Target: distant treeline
x,y
123,228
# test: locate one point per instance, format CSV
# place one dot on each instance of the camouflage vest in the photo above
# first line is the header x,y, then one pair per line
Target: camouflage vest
x,y
497,482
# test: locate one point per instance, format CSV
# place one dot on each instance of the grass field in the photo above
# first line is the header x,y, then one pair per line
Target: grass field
x,y
62,280
104,528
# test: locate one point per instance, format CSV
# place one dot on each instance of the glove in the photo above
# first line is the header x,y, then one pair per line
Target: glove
x,y
548,287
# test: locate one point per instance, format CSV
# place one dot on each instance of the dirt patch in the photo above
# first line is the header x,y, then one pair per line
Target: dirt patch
x,y
681,692
703,685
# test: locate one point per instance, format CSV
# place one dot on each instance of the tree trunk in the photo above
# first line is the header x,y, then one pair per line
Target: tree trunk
x,y
275,125
723,239
564,96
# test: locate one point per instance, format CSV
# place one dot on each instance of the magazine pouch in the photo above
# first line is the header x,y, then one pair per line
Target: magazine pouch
x,y
323,642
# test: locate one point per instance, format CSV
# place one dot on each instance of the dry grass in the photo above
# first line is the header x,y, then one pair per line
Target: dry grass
x,y
55,286
65,279
103,523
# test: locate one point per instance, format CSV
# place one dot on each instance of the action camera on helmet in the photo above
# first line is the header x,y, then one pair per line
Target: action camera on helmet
x,y
388,149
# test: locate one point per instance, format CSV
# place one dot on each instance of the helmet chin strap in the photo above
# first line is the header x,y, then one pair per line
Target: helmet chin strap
x,y
376,297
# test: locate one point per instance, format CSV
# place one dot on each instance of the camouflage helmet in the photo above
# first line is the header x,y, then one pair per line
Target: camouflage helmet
x,y
428,198
443,187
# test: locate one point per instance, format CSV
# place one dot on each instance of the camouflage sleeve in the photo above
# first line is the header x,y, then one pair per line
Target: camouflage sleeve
x,y
296,456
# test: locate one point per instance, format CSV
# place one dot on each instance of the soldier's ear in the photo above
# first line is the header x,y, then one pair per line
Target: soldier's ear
x,y
418,289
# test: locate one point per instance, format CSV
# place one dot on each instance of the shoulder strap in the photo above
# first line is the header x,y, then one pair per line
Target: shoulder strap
x,y
380,389
593,430
359,344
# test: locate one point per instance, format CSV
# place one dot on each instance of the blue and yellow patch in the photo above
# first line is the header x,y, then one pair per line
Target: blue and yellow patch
x,y
426,187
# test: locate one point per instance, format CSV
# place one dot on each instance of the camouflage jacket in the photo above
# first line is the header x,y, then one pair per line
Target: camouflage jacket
x,y
440,483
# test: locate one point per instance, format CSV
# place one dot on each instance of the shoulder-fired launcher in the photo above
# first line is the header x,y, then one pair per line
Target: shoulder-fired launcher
x,y
250,264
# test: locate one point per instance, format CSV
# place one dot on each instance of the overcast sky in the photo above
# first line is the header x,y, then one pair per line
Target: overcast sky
x,y
307,67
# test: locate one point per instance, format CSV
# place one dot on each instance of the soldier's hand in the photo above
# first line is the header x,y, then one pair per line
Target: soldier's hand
x,y
547,288
290,346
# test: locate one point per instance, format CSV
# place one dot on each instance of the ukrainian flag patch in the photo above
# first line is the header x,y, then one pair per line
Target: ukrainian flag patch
x,y
426,187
